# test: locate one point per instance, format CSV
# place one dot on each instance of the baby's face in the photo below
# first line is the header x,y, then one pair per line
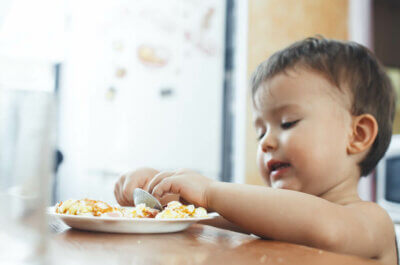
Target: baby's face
x,y
303,123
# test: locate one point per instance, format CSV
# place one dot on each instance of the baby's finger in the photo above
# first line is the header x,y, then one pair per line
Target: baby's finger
x,y
116,191
127,192
124,201
158,178
183,201
118,196
168,197
135,181
116,187
164,187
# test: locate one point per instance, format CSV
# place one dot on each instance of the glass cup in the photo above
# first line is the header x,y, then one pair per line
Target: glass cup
x,y
26,162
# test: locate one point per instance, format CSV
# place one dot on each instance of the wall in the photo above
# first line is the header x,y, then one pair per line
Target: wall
x,y
394,75
274,24
387,32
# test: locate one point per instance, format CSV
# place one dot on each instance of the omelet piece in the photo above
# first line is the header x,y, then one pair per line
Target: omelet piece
x,y
176,209
85,207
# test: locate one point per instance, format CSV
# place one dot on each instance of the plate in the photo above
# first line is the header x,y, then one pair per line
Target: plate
x,y
127,225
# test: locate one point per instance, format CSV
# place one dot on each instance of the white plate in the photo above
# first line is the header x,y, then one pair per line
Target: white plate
x,y
127,225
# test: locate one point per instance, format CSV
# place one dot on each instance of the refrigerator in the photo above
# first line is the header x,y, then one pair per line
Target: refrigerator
x,y
142,84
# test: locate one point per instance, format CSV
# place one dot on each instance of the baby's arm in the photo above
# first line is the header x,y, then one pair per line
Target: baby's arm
x,y
359,229
221,222
301,218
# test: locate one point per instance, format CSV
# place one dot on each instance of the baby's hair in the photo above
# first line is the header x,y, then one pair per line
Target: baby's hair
x,y
345,64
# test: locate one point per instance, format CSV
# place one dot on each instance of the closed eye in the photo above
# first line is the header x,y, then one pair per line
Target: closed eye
x,y
287,125
260,137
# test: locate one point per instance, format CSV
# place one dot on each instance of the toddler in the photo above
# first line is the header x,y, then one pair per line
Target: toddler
x,y
323,113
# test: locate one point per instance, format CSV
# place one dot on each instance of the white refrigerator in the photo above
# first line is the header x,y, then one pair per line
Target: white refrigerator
x,y
141,85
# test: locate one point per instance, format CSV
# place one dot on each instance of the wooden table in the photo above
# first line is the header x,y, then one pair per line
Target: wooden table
x,y
200,244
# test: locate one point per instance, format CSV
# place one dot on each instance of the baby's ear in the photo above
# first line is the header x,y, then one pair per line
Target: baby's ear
x,y
364,131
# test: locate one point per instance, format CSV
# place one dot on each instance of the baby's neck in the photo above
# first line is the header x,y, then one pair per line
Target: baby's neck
x,y
344,193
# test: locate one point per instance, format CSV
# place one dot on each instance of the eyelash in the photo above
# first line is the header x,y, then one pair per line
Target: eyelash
x,y
284,126
288,125
260,137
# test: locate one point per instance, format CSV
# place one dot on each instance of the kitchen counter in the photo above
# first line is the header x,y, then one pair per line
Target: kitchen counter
x,y
199,244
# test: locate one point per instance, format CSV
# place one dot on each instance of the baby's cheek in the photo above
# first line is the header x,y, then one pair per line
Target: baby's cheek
x,y
303,154
312,160
262,166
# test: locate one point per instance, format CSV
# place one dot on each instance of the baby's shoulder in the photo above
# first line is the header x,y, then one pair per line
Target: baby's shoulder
x,y
371,210
378,223
373,214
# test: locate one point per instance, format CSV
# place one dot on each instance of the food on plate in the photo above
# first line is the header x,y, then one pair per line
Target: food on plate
x,y
88,207
85,207
175,209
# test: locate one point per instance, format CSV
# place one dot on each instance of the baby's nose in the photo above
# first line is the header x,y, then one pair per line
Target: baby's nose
x,y
269,143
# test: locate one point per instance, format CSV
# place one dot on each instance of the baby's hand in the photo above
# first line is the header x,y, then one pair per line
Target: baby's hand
x,y
191,186
125,185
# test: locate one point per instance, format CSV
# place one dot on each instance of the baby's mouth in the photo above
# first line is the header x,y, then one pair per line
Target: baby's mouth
x,y
278,166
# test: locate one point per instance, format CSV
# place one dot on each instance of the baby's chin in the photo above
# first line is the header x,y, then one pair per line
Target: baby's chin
x,y
287,184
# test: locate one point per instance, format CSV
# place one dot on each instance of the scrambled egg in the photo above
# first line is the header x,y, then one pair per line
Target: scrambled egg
x,y
175,209
87,207
141,211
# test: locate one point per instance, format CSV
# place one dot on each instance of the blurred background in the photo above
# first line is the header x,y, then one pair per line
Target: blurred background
x,y
164,83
